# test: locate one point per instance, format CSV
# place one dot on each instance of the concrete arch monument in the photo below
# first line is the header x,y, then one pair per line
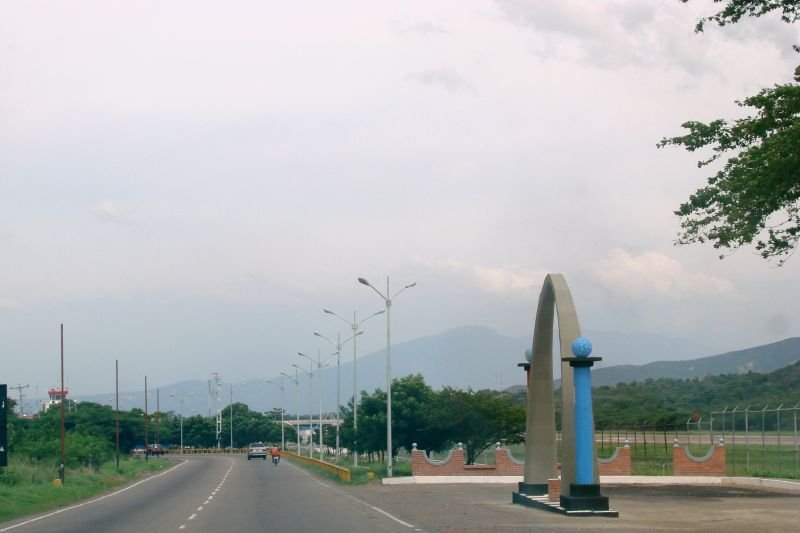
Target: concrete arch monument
x,y
555,302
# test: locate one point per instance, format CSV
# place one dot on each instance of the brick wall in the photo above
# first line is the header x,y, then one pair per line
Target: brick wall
x,y
684,464
618,464
554,489
454,466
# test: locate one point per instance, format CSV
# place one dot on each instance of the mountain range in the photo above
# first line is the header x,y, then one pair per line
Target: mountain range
x,y
475,357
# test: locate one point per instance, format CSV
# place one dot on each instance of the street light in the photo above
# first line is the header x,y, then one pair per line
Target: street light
x,y
354,325
296,406
388,301
310,399
338,344
180,400
242,384
319,364
283,438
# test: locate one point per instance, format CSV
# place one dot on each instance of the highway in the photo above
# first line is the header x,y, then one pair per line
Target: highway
x,y
228,494
220,493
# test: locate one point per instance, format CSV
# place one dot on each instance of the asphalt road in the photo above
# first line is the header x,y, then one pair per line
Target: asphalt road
x,y
230,494
219,494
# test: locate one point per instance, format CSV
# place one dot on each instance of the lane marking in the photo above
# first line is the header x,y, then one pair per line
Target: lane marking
x,y
182,526
210,497
79,505
388,515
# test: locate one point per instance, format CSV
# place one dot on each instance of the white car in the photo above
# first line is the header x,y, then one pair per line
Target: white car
x,y
256,449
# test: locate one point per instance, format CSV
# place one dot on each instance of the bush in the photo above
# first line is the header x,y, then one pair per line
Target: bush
x,y
9,476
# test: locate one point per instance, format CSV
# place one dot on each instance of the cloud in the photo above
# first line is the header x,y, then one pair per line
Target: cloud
x,y
107,211
634,33
499,281
447,78
640,276
425,28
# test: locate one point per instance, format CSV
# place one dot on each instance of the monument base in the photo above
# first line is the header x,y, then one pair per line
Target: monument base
x,y
584,498
543,502
533,489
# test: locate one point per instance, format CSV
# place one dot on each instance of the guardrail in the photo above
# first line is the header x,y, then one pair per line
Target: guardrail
x,y
343,473
202,451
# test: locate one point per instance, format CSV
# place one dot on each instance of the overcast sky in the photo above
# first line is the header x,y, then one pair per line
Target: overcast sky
x,y
186,184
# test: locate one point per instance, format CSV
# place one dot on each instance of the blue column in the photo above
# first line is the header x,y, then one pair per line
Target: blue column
x,y
584,437
584,445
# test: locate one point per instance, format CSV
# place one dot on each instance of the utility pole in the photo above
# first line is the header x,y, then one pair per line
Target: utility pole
x,y
158,415
21,405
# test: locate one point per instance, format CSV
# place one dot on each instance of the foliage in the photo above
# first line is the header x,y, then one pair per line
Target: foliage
x,y
478,419
432,419
755,197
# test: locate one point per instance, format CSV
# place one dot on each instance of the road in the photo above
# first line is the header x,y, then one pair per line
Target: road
x,y
219,493
230,494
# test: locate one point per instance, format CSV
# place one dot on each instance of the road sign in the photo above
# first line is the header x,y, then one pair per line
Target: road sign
x,y
3,426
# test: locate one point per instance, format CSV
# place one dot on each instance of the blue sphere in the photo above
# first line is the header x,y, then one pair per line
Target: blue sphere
x,y
581,347
528,355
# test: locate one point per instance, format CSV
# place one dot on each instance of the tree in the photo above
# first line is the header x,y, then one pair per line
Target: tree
x,y
755,197
479,419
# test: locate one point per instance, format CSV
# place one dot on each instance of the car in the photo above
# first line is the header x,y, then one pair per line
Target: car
x,y
256,449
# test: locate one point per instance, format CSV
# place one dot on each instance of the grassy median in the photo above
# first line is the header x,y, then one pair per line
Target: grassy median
x,y
27,488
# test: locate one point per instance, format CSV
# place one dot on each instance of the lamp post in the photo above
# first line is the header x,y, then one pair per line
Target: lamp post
x,y
296,406
283,438
319,364
339,343
388,301
310,400
354,326
231,408
180,400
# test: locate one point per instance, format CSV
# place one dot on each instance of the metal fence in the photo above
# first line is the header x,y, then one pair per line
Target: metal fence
x,y
758,440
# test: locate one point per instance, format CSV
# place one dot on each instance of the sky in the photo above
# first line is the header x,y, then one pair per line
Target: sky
x,y
185,185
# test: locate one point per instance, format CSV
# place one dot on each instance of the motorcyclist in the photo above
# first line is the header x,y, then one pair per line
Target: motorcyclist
x,y
275,452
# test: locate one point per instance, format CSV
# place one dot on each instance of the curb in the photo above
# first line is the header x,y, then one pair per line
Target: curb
x,y
761,483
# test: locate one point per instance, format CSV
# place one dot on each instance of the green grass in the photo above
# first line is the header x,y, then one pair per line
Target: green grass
x,y
26,487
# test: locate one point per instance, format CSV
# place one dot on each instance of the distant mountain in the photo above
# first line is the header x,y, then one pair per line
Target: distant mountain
x,y
473,356
761,359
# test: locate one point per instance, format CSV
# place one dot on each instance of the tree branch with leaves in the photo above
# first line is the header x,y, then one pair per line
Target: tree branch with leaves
x,y
754,199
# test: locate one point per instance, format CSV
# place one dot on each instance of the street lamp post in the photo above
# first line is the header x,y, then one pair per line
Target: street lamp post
x,y
283,438
388,301
339,343
319,364
296,406
354,326
310,399
180,400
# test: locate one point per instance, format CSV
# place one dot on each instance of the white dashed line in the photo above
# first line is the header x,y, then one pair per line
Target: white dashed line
x,y
192,517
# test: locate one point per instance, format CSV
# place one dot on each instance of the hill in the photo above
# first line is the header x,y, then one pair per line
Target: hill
x,y
672,401
469,357
762,359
